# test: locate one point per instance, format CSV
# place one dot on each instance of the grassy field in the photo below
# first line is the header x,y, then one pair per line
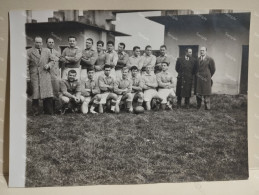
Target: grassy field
x,y
163,146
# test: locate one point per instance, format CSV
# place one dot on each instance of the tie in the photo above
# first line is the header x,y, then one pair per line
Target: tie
x,y
39,51
51,50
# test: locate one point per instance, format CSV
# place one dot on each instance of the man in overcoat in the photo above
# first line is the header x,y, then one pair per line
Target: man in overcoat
x,y
185,67
54,70
205,71
40,62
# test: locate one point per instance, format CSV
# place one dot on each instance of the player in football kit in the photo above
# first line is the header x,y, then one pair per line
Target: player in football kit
x,y
149,86
137,86
91,92
122,88
106,85
165,86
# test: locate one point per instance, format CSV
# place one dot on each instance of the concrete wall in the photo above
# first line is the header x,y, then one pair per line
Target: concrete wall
x,y
224,44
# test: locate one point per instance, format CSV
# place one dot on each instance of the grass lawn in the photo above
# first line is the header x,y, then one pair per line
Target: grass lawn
x,y
163,146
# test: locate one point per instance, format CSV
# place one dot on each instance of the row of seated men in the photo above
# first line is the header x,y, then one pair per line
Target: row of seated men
x,y
91,95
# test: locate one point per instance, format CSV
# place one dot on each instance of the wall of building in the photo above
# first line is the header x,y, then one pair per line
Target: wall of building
x,y
224,44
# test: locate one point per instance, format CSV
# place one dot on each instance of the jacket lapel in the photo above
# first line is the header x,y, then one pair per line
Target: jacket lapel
x,y
36,55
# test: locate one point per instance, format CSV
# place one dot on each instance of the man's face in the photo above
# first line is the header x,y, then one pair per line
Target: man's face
x,y
149,51
120,48
107,71
109,47
162,51
203,51
137,52
38,43
72,42
50,43
88,44
71,76
164,67
134,73
99,47
148,69
125,74
90,74
189,53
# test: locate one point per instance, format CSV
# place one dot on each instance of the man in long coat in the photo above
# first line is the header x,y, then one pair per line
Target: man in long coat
x,y
40,62
185,67
54,70
205,71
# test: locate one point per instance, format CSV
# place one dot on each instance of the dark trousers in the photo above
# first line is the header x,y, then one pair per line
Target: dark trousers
x,y
48,105
206,101
186,100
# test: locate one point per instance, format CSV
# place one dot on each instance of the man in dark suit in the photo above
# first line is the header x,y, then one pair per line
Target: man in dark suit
x,y
205,71
185,67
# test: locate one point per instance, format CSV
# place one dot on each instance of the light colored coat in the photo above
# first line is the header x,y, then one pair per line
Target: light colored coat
x,y
39,76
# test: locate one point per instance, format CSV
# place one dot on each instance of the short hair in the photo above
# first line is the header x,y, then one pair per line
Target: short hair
x,y
71,37
48,39
71,71
37,37
123,44
134,68
125,68
204,47
163,46
107,66
136,47
110,42
90,69
186,50
165,63
148,46
100,42
89,39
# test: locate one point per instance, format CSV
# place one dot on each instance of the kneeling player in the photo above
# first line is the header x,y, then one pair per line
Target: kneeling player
x,y
70,95
106,85
165,86
136,86
149,85
123,89
91,92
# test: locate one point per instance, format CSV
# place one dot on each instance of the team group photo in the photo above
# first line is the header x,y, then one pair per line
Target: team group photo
x,y
136,96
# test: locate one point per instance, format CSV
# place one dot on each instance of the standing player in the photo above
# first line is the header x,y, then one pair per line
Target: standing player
x,y
70,58
106,85
135,59
91,92
149,85
148,59
137,86
102,59
123,89
165,86
162,58
113,57
123,58
89,57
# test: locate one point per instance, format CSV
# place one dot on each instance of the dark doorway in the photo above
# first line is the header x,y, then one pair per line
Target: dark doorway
x,y
195,50
244,70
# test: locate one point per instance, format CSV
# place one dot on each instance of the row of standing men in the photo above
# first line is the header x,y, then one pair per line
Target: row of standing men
x,y
46,79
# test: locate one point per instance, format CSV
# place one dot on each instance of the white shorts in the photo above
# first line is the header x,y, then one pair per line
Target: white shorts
x,y
65,73
104,98
149,94
130,97
84,75
65,99
164,93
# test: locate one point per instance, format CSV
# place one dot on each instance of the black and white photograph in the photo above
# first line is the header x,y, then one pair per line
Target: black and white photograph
x,y
119,97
